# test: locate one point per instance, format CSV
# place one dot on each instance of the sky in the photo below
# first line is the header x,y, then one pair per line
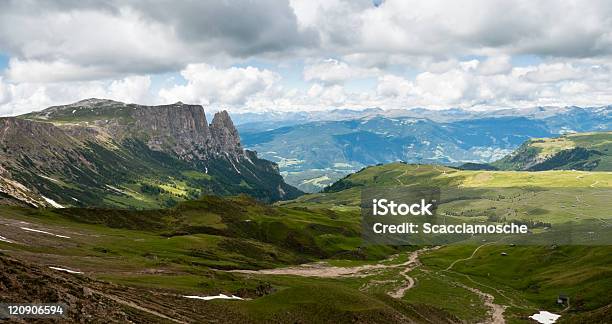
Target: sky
x,y
290,55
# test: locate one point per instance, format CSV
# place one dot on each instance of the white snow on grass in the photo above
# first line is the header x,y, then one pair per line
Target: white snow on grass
x,y
4,239
50,179
43,232
116,189
545,317
52,202
220,296
65,270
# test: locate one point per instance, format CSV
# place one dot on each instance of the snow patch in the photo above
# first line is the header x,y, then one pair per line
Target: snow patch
x,y
50,179
545,317
43,232
65,270
52,202
116,189
4,239
220,296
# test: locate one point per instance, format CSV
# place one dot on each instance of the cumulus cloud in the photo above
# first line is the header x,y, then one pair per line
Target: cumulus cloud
x,y
331,71
41,71
20,98
83,43
396,54
495,65
209,85
553,73
394,86
84,40
132,89
477,27
467,85
4,92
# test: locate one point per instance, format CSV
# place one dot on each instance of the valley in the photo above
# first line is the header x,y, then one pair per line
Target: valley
x,y
304,259
306,162
345,140
152,220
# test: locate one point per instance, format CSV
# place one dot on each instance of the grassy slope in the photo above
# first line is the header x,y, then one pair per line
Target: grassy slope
x,y
345,193
582,151
184,250
531,276
133,176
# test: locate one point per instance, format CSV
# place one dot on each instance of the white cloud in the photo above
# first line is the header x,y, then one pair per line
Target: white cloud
x,y
477,27
402,53
332,96
394,86
76,40
26,97
468,86
553,73
41,71
495,65
4,92
85,44
209,85
572,88
331,71
132,89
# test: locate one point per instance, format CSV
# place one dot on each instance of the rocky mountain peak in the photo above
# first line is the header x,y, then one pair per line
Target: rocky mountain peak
x,y
179,128
85,153
225,137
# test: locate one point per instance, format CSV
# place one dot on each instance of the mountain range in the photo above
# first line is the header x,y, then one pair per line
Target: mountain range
x,y
107,153
305,258
315,149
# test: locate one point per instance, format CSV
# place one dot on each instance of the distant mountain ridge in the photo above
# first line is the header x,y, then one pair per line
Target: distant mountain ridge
x,y
106,153
252,121
314,153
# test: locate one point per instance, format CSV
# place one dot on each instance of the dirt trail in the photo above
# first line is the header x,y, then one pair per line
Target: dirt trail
x,y
319,269
469,258
412,263
324,270
496,311
401,175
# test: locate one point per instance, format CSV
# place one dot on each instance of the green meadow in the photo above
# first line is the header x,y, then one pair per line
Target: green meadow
x,y
193,248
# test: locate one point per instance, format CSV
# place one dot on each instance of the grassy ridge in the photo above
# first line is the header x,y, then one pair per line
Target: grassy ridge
x,y
583,151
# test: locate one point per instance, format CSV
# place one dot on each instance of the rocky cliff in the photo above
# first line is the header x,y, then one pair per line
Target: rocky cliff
x,y
225,138
181,129
106,153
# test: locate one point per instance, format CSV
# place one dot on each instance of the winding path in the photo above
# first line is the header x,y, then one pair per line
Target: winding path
x,y
323,270
412,263
496,311
469,258
401,175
